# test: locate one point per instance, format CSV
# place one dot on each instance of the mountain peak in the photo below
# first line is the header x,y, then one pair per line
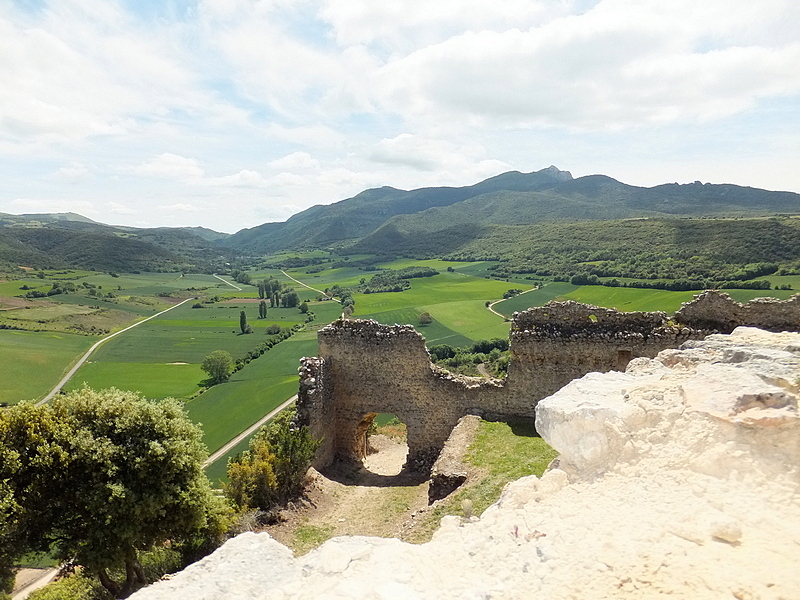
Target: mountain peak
x,y
557,174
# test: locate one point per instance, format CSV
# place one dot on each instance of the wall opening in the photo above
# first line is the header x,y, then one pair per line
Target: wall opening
x,y
386,444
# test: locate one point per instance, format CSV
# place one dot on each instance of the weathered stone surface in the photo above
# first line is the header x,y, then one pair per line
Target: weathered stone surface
x,y
661,490
366,368
718,311
448,472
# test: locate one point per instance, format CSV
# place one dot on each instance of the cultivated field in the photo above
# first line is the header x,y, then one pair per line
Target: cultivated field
x,y
33,362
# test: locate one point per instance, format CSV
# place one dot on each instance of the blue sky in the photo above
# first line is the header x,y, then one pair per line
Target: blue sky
x,y
231,113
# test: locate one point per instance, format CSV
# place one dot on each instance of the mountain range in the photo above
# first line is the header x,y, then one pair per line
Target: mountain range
x,y
382,220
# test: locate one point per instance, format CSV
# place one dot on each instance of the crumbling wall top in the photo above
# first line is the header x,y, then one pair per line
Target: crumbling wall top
x,y
715,310
367,329
569,317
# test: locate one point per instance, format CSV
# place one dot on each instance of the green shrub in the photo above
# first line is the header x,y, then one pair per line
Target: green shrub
x,y
273,469
71,587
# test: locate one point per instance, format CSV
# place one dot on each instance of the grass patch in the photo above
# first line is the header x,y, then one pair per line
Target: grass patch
x,y
153,380
426,291
469,318
307,537
434,333
631,299
34,362
229,408
505,452
540,297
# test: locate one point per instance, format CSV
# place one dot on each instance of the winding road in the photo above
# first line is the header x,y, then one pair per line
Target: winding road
x,y
94,347
491,305
303,284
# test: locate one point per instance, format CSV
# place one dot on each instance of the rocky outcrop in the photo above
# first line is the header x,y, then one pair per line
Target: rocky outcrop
x,y
678,477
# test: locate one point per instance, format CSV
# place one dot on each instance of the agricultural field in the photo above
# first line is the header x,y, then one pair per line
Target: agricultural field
x,y
33,362
169,349
229,408
626,299
162,357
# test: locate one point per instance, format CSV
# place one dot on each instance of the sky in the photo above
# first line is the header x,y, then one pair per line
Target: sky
x,y
232,113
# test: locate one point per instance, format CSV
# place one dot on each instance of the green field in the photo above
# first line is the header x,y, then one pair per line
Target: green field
x,y
153,380
146,358
34,362
229,408
426,291
630,299
539,297
434,333
470,318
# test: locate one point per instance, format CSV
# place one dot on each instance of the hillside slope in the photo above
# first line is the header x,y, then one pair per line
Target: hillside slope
x,y
379,218
360,215
68,240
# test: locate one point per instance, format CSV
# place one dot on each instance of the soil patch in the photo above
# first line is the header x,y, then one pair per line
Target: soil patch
x,y
378,499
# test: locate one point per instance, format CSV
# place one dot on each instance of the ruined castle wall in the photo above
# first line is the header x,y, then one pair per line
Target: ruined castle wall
x,y
367,368
717,311
370,368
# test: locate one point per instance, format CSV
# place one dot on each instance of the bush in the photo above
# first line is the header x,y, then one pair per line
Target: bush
x,y
73,587
272,471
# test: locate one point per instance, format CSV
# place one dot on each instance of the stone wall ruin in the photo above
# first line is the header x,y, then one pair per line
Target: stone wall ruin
x,y
365,368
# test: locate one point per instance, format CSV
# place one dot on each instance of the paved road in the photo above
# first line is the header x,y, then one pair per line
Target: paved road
x,y
303,284
491,306
42,579
228,282
72,371
227,447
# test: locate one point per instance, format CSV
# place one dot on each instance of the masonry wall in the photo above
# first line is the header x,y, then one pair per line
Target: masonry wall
x,y
366,368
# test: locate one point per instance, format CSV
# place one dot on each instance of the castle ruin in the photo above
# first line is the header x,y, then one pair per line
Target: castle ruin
x,y
365,368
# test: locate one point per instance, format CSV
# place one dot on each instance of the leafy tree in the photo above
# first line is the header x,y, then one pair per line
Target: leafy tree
x,y
100,476
273,469
425,319
218,365
290,299
243,322
304,308
262,310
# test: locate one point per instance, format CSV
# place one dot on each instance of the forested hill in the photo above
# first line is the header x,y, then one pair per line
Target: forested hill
x,y
68,240
388,216
360,215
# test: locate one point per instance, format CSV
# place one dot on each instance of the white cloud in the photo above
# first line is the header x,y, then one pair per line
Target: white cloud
x,y
38,205
120,209
170,166
73,173
244,178
616,65
179,207
286,103
407,150
295,160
